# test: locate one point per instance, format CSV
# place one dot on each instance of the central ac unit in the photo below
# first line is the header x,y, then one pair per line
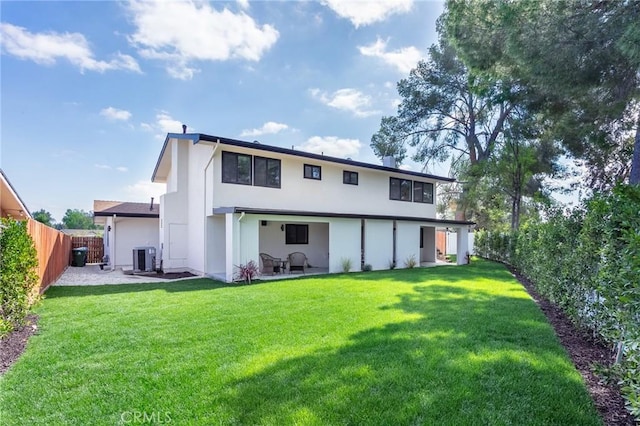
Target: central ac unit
x,y
144,259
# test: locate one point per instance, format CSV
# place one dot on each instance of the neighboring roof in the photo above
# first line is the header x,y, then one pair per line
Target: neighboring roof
x,y
10,201
125,209
199,137
249,210
82,232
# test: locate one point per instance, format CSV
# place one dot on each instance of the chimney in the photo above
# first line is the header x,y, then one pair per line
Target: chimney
x,y
184,128
389,161
151,206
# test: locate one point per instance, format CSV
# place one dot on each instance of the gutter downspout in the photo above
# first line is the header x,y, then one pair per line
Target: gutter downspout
x,y
206,213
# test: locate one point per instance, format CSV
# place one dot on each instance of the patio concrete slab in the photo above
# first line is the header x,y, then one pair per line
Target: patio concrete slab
x,y
93,275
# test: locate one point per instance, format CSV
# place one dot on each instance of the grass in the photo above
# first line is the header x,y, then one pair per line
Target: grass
x,y
447,345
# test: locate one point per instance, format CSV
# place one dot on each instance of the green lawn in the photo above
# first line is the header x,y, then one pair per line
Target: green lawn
x,y
435,346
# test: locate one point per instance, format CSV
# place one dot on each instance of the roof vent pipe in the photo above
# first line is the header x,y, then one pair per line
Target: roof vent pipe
x,y
184,128
389,161
151,206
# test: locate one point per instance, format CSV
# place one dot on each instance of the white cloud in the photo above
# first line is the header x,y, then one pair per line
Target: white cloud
x,y
331,146
351,100
404,60
181,32
112,113
143,190
164,123
168,124
47,48
108,167
268,128
243,4
368,12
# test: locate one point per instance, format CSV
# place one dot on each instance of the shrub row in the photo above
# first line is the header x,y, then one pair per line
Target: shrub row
x,y
587,261
18,276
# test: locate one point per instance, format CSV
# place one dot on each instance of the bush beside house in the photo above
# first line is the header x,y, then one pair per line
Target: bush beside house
x,y
18,275
587,261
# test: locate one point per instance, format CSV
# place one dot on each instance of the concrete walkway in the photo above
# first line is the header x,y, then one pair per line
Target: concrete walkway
x,y
92,275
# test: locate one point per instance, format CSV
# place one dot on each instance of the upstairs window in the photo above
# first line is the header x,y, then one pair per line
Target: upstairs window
x,y
350,178
236,168
312,172
266,172
296,234
399,189
422,192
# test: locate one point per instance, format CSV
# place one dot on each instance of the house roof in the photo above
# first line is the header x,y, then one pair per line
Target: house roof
x,y
443,222
10,201
162,166
125,209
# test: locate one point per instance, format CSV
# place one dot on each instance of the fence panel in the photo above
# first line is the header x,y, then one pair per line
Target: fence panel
x,y
95,246
54,252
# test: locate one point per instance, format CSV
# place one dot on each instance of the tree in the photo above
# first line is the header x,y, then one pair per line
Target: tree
x,y
43,216
447,113
578,61
78,219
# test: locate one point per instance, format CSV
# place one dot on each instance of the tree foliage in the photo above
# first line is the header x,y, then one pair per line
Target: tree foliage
x,y
449,114
578,62
19,279
43,216
78,219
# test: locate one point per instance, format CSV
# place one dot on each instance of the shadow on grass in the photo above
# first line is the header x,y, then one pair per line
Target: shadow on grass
x,y
197,284
466,359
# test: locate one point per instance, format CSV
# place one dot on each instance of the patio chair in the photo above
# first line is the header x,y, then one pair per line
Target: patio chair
x,y
270,264
297,261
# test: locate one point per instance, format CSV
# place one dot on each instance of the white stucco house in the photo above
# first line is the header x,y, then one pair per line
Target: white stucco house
x,y
228,200
126,226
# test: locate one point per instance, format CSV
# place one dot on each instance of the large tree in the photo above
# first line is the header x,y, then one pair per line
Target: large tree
x,y
43,216
78,219
448,114
579,62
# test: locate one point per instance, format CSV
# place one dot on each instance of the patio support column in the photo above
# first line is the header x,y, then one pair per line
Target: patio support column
x,y
229,252
462,234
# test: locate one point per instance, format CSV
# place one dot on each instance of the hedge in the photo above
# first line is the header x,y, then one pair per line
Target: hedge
x,y
587,261
18,275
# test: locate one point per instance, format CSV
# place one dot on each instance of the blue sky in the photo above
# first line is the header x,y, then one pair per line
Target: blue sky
x,y
90,89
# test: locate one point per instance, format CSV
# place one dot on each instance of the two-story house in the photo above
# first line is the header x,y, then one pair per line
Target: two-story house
x,y
227,201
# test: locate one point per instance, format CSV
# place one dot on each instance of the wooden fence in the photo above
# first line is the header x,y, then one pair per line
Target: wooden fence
x,y
441,244
95,246
54,252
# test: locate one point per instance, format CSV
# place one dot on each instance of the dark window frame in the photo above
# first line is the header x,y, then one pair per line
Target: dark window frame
x,y
420,199
234,157
347,177
310,168
266,183
399,197
296,233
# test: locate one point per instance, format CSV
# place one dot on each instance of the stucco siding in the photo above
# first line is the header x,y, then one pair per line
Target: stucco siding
x,y
378,243
344,243
407,242
130,233
330,194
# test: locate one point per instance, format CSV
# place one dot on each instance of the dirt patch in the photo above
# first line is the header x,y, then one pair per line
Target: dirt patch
x,y
13,344
585,352
174,275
